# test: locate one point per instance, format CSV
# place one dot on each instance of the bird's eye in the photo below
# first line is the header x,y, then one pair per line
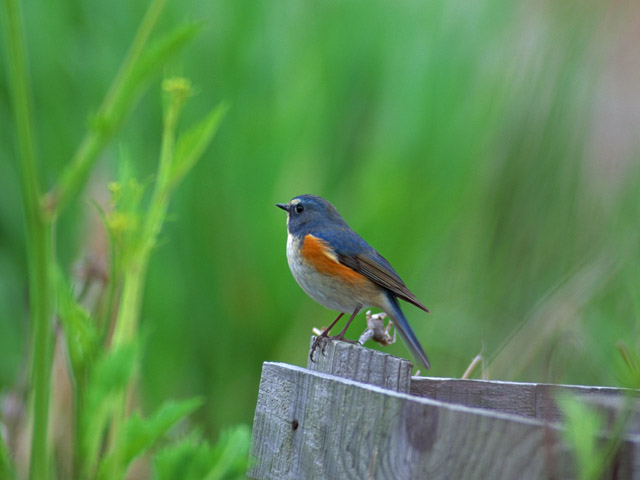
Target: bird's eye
x,y
299,208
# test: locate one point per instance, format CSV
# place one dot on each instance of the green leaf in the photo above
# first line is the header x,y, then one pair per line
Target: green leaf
x,y
107,380
80,329
141,434
194,459
188,459
192,144
231,454
582,426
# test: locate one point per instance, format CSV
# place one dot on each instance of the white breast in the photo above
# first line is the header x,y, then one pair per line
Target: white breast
x,y
322,288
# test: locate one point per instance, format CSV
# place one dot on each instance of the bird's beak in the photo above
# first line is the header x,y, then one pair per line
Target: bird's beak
x,y
283,206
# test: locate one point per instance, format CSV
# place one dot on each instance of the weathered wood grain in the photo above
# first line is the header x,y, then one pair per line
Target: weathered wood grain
x,y
348,416
355,362
535,400
310,425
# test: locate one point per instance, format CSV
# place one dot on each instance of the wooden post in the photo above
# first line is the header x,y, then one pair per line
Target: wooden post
x,y
352,361
313,425
535,400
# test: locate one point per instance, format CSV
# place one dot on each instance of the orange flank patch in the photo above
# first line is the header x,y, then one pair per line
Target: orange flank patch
x,y
318,253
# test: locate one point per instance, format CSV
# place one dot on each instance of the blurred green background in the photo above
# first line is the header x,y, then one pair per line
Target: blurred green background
x,y
488,149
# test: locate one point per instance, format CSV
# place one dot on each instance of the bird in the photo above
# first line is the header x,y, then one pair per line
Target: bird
x,y
338,269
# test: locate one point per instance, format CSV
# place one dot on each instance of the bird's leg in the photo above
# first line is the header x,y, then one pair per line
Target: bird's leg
x,y
323,335
340,336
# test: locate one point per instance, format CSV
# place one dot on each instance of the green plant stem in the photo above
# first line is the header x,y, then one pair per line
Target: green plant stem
x,y
41,288
109,117
132,289
38,232
134,272
78,395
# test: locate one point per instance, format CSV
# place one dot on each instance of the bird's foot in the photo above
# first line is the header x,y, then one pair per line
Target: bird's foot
x,y
342,338
320,338
325,338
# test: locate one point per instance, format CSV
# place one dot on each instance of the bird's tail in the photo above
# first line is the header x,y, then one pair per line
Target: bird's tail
x,y
409,338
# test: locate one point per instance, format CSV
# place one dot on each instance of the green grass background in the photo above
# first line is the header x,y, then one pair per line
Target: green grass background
x,y
455,137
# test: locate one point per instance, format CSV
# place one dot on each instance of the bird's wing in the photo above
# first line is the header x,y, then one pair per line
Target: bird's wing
x,y
352,251
377,269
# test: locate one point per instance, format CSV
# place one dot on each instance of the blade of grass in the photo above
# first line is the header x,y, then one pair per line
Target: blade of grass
x,y
75,174
139,65
551,317
38,229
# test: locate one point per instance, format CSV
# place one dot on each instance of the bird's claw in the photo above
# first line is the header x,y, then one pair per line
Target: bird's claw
x,y
324,338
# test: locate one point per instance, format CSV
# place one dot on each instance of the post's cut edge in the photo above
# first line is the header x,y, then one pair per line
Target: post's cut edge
x,y
356,362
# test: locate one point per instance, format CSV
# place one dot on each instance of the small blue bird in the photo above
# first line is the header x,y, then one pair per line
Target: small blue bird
x,y
341,271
